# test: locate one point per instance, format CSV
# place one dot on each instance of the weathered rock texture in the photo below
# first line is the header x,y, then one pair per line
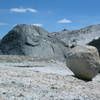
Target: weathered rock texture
x,y
84,61
30,40
20,85
78,37
21,82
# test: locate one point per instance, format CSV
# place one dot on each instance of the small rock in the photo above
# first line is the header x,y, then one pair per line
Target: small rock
x,y
54,87
20,95
4,93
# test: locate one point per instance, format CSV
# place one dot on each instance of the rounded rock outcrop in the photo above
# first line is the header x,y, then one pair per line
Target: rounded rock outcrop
x,y
30,40
84,62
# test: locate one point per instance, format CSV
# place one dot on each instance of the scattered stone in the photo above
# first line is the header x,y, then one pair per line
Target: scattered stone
x,y
20,95
3,92
54,87
37,86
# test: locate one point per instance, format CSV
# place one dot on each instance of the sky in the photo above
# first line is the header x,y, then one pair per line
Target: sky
x,y
52,15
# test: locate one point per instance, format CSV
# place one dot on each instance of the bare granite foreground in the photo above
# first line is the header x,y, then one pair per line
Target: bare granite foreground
x,y
43,80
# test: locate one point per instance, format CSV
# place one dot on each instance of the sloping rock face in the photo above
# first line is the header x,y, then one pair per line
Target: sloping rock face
x,y
78,37
30,40
84,61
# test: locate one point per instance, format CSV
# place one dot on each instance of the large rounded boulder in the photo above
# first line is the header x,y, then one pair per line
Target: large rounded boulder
x,y
84,62
30,40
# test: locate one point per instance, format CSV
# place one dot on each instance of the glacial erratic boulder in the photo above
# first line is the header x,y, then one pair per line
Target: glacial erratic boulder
x,y
84,62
